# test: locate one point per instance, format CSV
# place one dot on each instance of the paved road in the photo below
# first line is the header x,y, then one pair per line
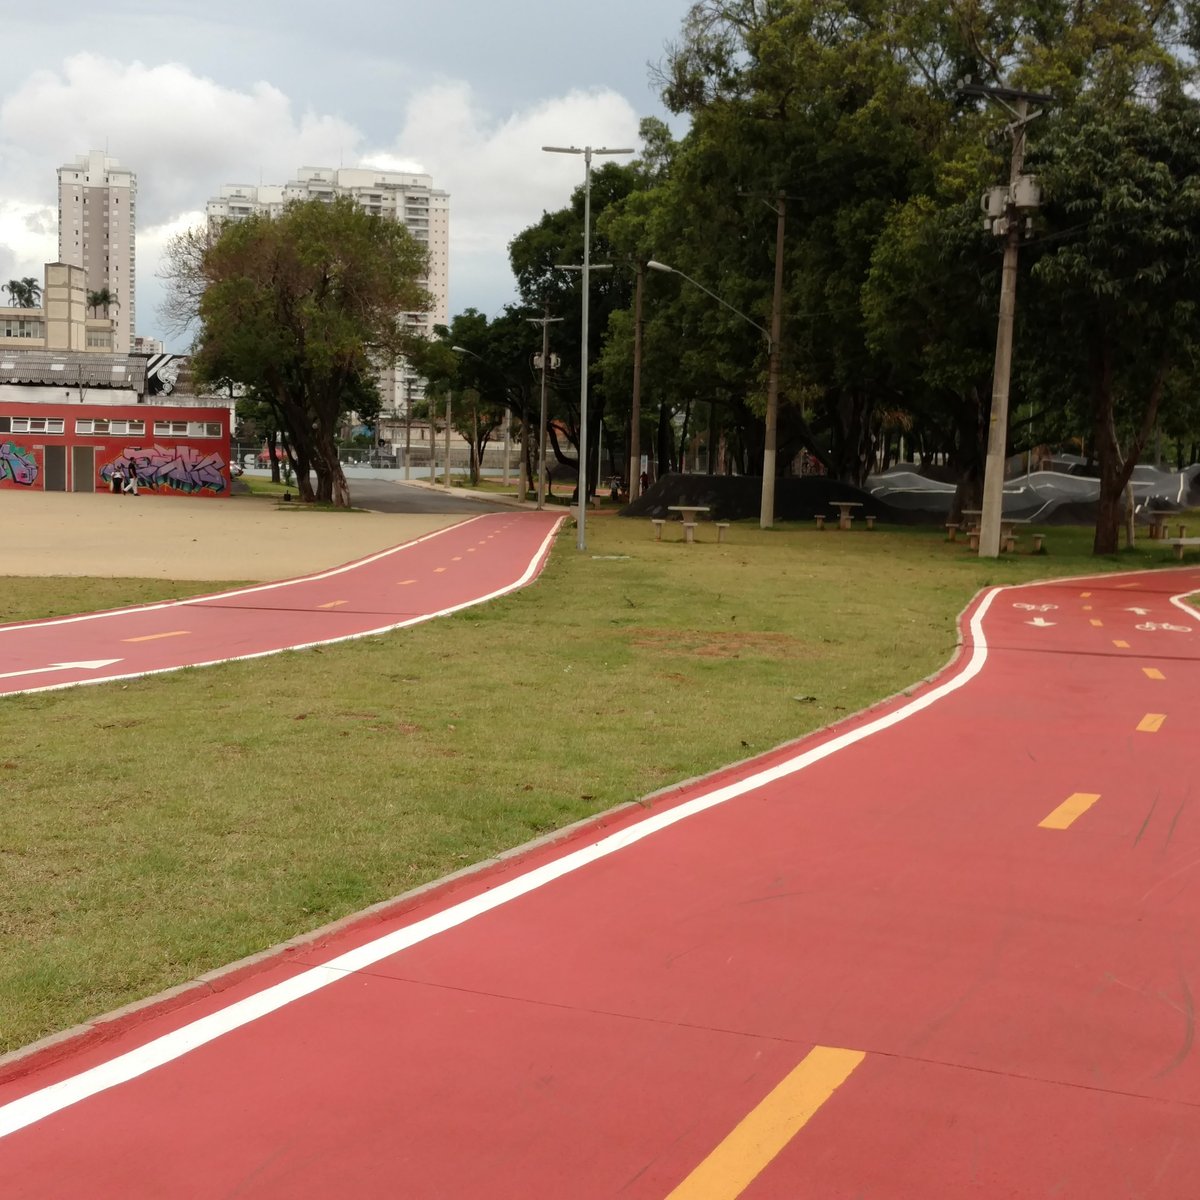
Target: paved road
x,y
945,949
482,557
381,495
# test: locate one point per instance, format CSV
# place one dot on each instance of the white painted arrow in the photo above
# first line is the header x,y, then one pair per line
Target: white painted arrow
x,y
1141,612
94,665
1040,622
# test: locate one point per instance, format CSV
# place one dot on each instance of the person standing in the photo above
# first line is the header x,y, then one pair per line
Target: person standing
x,y
118,479
131,479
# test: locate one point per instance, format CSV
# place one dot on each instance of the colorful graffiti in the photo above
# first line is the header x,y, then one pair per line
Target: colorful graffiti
x,y
173,469
17,464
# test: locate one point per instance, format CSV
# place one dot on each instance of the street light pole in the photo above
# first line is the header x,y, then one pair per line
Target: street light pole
x,y
545,322
635,416
446,468
581,489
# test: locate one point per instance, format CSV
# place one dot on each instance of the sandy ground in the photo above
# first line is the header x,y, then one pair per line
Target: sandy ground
x,y
166,537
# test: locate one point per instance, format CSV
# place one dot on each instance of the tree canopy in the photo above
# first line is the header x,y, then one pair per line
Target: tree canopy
x,y
302,310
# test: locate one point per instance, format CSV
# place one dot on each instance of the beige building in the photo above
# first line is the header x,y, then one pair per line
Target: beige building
x,y
400,196
97,218
62,321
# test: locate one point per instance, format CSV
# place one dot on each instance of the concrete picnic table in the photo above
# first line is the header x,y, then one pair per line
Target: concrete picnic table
x,y
1007,528
845,517
689,514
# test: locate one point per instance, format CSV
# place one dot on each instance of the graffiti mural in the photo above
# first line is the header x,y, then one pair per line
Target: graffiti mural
x,y
17,464
172,469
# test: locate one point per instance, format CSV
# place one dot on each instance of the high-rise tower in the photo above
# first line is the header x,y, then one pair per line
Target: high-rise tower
x,y
97,218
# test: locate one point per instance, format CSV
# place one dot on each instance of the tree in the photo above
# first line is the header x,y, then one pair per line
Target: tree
x,y
101,299
299,309
24,293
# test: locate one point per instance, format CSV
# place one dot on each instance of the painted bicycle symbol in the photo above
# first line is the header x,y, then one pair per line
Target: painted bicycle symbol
x,y
1151,626
1035,607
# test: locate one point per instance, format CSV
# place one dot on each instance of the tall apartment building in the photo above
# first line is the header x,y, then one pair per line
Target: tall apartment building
x,y
97,219
396,195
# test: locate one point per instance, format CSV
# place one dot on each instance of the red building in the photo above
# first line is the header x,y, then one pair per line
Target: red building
x,y
68,445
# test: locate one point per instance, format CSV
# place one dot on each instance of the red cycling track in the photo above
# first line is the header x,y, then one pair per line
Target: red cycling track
x,y
942,949
465,564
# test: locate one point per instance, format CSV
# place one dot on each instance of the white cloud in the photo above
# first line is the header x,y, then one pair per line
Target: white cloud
x,y
186,135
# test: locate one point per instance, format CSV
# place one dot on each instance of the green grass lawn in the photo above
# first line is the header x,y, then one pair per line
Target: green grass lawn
x,y
157,828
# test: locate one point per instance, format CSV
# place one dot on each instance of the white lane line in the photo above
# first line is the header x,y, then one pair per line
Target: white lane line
x,y
36,1106
534,567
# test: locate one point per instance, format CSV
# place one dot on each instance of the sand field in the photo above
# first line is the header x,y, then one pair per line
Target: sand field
x,y
170,537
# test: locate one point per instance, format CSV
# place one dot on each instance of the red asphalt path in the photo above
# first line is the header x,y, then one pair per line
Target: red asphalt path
x,y
594,1017
465,564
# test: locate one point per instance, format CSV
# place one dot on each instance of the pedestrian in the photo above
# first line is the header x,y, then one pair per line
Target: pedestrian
x,y
118,479
131,479
644,481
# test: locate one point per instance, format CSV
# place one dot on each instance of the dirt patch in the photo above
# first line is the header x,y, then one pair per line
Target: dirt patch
x,y
697,643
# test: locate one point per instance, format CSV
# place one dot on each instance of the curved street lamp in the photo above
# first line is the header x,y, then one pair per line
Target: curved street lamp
x,y
766,516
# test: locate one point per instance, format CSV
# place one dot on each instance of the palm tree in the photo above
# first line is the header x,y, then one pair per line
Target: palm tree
x,y
101,299
24,293
32,292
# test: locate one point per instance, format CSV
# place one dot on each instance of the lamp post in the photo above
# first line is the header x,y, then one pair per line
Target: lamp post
x,y
767,512
587,152
545,322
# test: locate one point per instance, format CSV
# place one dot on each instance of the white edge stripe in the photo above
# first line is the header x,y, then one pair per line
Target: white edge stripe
x,y
43,1103
261,587
534,564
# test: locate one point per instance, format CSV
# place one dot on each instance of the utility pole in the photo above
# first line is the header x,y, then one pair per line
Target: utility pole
x,y
446,476
635,420
545,321
1005,210
766,516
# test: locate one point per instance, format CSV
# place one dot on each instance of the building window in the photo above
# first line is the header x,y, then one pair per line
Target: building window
x,y
37,425
20,327
200,429
117,428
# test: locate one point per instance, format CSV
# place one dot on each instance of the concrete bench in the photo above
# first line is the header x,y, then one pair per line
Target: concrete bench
x,y
952,531
658,524
1039,541
1180,542
689,531
820,520
721,527
870,520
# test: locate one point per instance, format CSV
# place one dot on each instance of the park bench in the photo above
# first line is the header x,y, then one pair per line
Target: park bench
x,y
1039,540
820,520
870,520
689,531
658,523
1180,542
721,527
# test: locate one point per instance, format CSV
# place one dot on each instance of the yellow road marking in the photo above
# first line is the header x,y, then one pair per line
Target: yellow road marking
x,y
154,637
1153,673
1120,645
1073,806
405,582
1095,621
766,1130
470,549
1085,595
333,604
457,558
439,570
1128,585
1151,722
1087,608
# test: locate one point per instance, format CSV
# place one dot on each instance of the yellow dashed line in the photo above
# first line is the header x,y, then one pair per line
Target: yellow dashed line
x,y
457,558
1153,673
1072,807
1120,645
730,1169
1095,621
154,637
1128,585
333,604
405,582
1085,595
1151,722
440,570
1087,608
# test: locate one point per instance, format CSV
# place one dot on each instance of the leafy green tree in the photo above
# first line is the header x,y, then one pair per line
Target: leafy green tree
x,y
298,309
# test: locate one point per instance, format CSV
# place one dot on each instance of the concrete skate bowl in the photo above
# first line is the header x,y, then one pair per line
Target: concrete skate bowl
x,y
1065,496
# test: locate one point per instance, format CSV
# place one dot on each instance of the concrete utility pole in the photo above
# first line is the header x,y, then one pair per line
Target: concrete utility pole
x,y
1005,209
545,322
635,419
447,467
766,516
581,489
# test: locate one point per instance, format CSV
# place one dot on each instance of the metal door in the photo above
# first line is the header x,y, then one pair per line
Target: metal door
x,y
83,468
55,463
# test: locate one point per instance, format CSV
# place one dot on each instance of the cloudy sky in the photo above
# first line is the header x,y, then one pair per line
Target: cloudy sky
x,y
192,96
